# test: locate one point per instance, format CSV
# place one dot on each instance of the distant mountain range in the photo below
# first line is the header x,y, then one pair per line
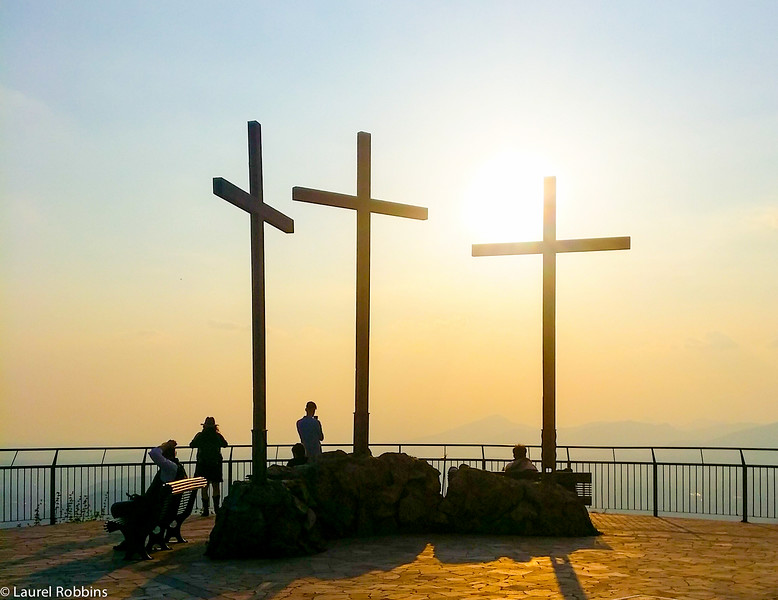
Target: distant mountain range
x,y
497,429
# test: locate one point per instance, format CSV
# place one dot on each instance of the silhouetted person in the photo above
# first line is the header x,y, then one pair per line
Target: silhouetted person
x,y
520,462
170,469
452,472
139,506
209,443
164,456
311,434
298,456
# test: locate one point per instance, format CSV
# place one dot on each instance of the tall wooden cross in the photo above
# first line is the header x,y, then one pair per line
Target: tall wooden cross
x,y
549,248
254,204
364,205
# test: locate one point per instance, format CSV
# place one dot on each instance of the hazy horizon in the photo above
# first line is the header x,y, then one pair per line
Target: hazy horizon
x,y
500,429
126,283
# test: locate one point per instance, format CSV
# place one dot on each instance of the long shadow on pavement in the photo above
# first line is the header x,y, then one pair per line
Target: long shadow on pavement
x,y
87,560
489,549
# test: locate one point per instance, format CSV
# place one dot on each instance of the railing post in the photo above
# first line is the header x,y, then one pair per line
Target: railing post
x,y
745,486
143,473
483,457
444,483
656,483
229,469
52,488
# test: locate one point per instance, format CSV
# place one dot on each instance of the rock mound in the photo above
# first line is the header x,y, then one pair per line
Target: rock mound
x,y
259,520
342,495
484,502
362,495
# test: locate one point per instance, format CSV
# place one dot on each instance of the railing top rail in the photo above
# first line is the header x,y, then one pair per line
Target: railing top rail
x,y
75,448
733,448
406,444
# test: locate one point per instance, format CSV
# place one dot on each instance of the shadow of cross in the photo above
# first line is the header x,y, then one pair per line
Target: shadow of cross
x,y
254,204
549,248
364,205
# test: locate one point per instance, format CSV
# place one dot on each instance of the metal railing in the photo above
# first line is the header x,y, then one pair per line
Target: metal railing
x,y
50,485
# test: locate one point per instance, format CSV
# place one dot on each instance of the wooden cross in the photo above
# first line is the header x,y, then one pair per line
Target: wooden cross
x,y
364,205
549,248
253,203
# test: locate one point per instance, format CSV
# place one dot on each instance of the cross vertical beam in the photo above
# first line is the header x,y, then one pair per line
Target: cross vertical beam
x,y
258,337
260,213
362,366
549,248
364,206
548,432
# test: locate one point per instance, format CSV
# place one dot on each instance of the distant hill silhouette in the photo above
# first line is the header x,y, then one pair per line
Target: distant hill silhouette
x,y
494,429
762,436
497,429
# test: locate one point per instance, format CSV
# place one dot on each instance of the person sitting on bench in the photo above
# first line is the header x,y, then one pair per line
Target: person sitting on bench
x,y
164,456
520,463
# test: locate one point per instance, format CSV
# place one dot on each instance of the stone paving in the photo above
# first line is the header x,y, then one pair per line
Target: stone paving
x,y
636,558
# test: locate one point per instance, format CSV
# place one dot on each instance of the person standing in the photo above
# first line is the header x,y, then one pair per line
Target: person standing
x,y
209,443
311,434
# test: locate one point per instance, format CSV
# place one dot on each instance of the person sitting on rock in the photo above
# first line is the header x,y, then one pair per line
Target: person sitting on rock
x,y
298,456
520,462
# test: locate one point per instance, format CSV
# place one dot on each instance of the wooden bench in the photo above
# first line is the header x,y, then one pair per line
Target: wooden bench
x,y
155,520
578,483
178,508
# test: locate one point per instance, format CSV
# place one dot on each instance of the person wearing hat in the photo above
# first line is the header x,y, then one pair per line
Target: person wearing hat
x,y
209,443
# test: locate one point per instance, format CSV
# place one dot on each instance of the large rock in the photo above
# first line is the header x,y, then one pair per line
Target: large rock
x,y
263,520
362,495
483,502
343,495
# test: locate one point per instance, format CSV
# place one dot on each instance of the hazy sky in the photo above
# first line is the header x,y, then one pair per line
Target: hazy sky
x,y
126,282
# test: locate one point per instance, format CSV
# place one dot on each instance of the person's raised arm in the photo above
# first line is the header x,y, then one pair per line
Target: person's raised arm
x,y
167,467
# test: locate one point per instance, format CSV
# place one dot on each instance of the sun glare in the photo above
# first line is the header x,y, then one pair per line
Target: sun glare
x,y
504,200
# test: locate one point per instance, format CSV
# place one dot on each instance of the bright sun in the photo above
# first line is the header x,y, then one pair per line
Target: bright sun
x,y
504,201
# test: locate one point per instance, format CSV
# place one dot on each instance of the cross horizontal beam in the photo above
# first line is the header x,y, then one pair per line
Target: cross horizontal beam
x,y
236,196
302,194
382,207
579,245
395,209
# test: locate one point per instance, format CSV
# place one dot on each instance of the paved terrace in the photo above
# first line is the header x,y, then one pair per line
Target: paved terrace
x,y
638,557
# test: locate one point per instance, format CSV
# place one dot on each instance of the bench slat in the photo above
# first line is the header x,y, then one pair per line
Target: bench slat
x,y
193,483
